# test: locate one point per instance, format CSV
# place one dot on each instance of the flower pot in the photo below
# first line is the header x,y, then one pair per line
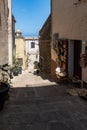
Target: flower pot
x,y
3,94
15,73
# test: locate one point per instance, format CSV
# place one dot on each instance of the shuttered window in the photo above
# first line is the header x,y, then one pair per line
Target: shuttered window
x,y
32,44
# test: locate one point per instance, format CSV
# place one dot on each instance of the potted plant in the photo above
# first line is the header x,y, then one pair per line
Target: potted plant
x,y
4,84
15,68
20,70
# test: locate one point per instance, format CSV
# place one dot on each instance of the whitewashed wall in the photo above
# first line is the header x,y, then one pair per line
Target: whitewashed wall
x,y
32,51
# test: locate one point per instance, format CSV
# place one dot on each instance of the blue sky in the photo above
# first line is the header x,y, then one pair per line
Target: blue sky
x,y
30,15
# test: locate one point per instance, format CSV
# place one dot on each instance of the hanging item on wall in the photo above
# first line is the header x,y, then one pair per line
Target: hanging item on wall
x,y
62,57
83,60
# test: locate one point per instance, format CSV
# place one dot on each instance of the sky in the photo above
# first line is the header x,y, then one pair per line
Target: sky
x,y
30,15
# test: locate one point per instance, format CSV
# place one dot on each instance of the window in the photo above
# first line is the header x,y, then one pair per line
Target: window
x,y
32,44
20,61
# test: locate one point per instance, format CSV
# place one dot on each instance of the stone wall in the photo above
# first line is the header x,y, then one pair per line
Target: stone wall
x,y
21,50
45,56
69,19
45,47
3,32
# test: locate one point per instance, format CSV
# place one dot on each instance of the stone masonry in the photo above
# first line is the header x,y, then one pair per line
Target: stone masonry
x,y
45,47
3,32
36,103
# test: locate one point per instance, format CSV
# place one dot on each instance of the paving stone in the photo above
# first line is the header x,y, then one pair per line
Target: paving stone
x,y
38,104
58,126
38,126
84,123
48,116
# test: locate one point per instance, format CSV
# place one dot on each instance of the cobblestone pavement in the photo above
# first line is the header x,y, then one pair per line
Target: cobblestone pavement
x,y
38,104
28,78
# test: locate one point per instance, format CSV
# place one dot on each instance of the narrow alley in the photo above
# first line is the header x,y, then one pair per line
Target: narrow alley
x,y
35,103
43,53
28,78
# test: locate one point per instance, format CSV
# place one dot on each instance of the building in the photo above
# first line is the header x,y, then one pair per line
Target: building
x,y
6,32
3,32
13,37
45,47
69,37
32,50
20,49
10,33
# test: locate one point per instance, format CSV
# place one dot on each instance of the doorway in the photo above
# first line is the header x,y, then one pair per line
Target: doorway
x,y
77,52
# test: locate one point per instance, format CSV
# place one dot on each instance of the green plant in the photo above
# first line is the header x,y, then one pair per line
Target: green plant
x,y
15,64
15,67
5,74
5,83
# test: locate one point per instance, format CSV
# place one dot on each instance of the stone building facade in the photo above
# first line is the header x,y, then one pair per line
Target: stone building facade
x,y
7,29
20,49
3,31
69,23
45,47
32,50
11,25
13,37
